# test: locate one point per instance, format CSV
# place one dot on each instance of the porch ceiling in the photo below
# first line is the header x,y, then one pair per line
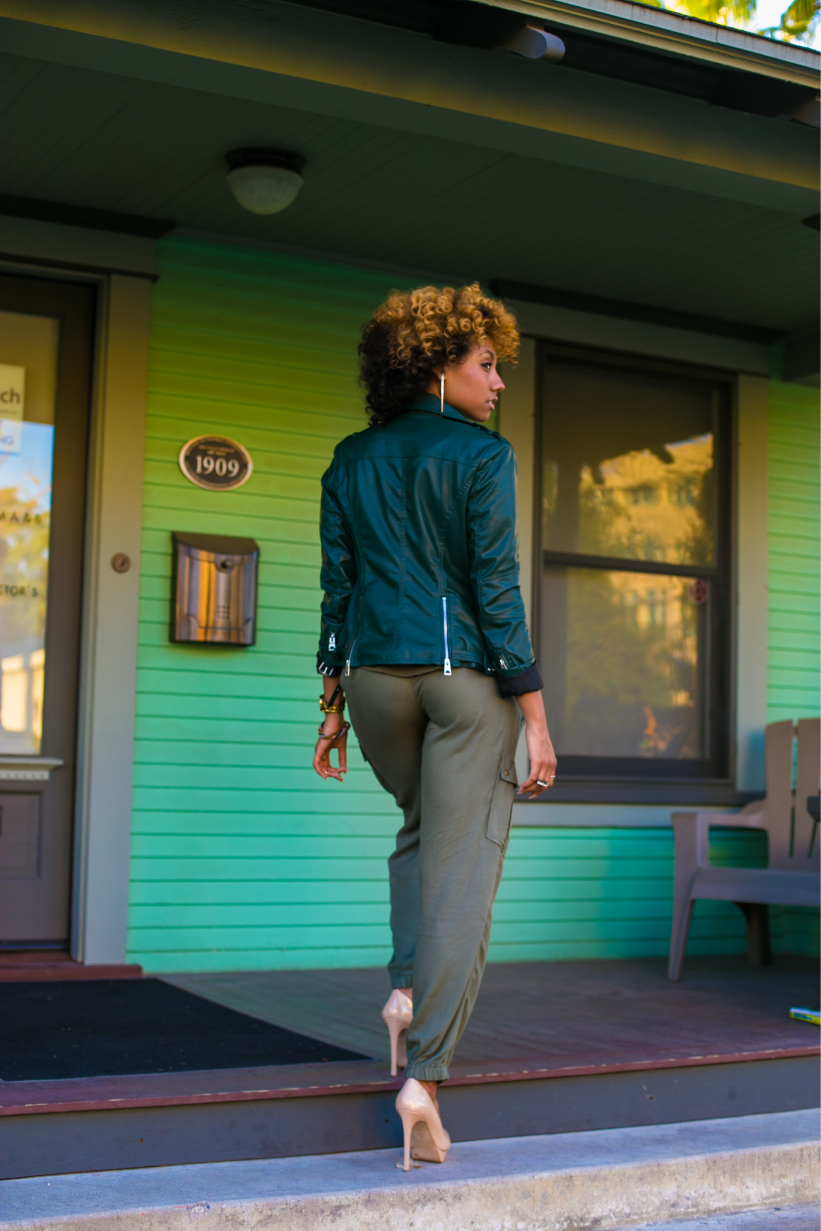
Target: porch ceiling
x,y
94,139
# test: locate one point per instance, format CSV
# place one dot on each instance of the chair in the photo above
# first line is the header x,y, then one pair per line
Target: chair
x,y
792,875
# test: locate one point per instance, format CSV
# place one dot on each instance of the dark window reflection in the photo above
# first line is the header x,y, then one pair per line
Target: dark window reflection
x,y
628,463
623,660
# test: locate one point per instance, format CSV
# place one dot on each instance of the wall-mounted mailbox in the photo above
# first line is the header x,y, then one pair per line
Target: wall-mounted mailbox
x,y
214,595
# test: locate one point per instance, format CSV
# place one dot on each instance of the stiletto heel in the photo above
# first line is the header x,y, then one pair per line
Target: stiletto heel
x,y
409,1118
424,1133
397,1016
399,1054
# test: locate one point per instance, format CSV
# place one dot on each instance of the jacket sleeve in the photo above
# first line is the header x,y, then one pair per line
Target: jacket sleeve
x,y
337,578
494,566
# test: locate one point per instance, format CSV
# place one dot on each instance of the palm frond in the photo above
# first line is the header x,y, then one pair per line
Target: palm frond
x,y
799,20
799,17
723,12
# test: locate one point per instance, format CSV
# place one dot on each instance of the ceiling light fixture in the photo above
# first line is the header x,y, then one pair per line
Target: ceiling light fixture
x,y
264,181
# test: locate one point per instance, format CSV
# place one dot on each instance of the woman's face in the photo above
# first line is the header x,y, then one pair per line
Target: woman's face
x,y
474,385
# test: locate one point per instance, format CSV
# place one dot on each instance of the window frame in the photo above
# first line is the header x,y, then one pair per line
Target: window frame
x,y
646,780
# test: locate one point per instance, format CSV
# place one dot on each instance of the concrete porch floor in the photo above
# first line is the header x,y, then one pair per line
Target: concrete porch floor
x,y
804,1217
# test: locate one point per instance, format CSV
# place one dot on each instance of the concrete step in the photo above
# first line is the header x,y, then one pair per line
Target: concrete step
x,y
774,1218
610,1178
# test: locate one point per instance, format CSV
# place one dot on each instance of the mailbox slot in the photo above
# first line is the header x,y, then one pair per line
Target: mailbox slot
x,y
214,589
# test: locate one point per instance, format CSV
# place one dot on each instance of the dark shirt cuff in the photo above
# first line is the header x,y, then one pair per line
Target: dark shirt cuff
x,y
518,685
324,668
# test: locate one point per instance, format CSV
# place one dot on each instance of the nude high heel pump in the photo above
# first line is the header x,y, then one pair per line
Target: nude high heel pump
x,y
397,1016
425,1135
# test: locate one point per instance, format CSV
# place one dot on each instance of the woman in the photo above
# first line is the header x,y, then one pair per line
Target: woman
x,y
424,633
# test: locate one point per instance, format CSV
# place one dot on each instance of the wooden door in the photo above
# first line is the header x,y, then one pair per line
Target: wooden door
x,y
46,336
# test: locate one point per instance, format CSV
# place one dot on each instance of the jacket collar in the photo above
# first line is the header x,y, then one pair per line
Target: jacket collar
x,y
429,402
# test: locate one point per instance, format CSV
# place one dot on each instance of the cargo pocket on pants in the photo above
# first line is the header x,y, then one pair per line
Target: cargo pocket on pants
x,y
501,804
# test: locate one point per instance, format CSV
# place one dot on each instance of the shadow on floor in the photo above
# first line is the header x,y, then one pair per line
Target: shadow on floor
x,y
608,1009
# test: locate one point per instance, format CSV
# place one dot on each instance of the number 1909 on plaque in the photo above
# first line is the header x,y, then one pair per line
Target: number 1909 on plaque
x,y
215,463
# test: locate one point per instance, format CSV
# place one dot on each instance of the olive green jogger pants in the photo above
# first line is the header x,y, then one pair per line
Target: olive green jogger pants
x,y
444,747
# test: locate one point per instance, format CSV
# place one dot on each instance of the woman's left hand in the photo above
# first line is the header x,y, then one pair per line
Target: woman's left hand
x,y
324,748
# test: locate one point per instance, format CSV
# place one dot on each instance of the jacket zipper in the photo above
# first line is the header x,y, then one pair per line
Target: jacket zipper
x,y
353,643
445,622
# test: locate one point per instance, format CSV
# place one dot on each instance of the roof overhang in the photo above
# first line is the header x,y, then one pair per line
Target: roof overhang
x,y
329,63
627,197
676,34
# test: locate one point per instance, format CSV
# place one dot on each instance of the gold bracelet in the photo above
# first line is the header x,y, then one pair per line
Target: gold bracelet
x,y
331,709
343,730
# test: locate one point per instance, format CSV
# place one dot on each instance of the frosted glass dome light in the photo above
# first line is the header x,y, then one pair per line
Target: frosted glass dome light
x,y
264,181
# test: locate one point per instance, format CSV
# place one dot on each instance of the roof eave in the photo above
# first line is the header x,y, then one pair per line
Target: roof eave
x,y
677,34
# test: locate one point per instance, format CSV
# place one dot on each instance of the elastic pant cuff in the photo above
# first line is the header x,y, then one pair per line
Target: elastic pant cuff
x,y
427,1072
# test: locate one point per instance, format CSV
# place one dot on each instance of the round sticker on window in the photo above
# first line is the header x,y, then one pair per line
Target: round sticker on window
x,y
698,591
216,463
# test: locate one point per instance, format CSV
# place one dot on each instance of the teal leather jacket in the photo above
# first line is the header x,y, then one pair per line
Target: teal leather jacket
x,y
419,550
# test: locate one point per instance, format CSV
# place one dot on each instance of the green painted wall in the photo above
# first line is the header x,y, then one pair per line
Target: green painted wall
x,y
794,618
241,857
793,516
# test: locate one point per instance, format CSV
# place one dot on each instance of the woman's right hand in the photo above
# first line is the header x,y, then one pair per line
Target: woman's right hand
x,y
324,747
539,745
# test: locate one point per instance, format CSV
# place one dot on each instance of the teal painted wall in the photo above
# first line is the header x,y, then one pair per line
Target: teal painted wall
x,y
241,857
793,680
794,616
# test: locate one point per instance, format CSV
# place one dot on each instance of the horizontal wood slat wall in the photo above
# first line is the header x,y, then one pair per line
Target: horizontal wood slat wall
x,y
242,858
794,617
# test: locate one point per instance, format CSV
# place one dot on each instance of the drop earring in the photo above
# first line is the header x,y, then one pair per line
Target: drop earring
x,y
442,393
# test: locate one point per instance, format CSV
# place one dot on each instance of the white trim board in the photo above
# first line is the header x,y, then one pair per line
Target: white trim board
x,y
637,338
517,422
751,581
602,816
111,606
82,248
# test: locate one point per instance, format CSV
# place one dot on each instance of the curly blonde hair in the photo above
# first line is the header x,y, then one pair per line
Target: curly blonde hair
x,y
415,332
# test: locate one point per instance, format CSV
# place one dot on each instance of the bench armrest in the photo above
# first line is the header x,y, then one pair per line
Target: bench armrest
x,y
753,809
692,833
729,820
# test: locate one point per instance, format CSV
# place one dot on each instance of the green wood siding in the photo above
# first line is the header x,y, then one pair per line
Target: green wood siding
x,y
793,617
241,857
793,523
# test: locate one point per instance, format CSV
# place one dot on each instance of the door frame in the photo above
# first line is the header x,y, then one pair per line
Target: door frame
x,y
108,661
123,267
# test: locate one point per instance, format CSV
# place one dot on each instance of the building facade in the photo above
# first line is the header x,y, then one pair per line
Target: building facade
x,y
194,833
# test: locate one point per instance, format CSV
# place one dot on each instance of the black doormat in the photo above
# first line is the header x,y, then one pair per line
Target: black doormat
x,y
113,1027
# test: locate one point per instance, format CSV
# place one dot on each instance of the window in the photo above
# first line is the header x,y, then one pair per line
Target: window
x,y
634,538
